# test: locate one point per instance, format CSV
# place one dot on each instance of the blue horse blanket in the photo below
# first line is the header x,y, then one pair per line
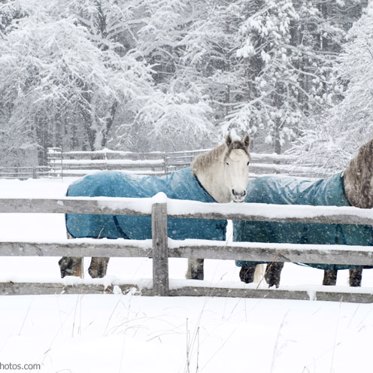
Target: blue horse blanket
x,y
181,184
296,191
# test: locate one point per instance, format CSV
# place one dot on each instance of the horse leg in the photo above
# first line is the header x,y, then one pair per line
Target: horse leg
x,y
195,269
259,273
330,277
273,273
98,267
356,274
247,273
71,266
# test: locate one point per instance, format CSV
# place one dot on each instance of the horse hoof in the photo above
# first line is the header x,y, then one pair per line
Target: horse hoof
x,y
70,266
65,264
355,277
272,279
96,272
247,274
330,277
197,275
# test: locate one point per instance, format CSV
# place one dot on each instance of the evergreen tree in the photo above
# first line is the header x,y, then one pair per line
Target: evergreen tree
x,y
178,116
210,57
330,139
170,74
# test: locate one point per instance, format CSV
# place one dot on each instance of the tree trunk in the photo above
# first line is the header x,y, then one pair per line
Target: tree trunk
x,y
109,123
277,140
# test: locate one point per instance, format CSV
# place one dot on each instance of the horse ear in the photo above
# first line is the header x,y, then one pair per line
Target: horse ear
x,y
246,140
228,139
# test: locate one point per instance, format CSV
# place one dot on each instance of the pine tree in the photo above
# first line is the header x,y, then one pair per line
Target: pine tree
x,y
210,56
330,139
271,81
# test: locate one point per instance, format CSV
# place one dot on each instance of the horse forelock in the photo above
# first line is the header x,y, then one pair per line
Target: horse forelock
x,y
237,145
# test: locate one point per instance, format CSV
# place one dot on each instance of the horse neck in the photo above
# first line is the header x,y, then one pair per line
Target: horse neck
x,y
212,179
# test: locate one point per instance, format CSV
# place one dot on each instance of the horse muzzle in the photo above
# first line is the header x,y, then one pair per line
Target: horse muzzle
x,y
238,196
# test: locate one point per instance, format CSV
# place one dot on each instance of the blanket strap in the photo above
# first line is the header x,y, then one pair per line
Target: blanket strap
x,y
119,229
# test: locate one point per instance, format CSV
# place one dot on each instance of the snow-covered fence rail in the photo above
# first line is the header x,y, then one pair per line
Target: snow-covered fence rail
x,y
16,172
160,247
79,163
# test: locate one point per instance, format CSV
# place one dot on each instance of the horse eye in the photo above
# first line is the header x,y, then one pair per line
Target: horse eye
x,y
227,163
248,163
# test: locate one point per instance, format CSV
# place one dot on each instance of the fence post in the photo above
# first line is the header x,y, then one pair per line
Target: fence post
x,y
160,248
165,163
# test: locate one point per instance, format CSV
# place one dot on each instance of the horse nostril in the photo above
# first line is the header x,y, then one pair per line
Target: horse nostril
x,y
235,193
239,194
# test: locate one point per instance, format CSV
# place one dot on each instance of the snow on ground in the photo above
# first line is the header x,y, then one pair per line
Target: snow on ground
x,y
130,333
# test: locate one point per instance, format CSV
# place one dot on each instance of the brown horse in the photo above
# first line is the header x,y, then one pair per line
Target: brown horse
x,y
357,190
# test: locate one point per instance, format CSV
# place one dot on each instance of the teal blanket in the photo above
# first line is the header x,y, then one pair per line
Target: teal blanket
x,y
297,191
181,184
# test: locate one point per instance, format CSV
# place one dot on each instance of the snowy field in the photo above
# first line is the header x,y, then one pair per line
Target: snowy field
x,y
134,334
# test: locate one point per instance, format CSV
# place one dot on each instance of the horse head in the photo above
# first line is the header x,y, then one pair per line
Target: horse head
x,y
236,167
224,170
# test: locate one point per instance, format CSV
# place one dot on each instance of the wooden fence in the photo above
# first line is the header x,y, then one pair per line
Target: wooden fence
x,y
23,173
79,163
160,247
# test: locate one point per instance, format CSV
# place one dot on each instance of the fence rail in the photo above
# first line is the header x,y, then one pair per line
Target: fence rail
x,y
80,163
160,247
24,172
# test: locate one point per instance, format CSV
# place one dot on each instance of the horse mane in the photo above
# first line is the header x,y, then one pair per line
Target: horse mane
x,y
205,160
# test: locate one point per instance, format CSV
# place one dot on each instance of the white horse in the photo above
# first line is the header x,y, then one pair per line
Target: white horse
x,y
235,159
220,175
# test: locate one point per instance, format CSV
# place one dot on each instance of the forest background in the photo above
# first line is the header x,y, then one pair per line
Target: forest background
x,y
166,75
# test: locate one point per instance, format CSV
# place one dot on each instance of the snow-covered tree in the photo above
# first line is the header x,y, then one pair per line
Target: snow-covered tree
x,y
356,68
178,116
62,87
174,120
331,139
271,83
159,39
210,57
78,73
166,74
